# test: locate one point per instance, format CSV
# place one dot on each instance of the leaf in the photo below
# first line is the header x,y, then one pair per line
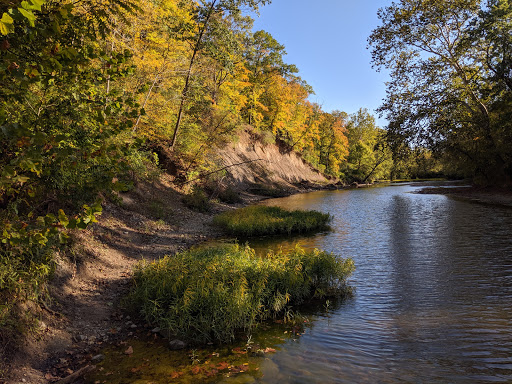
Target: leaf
x,y
6,24
63,219
129,350
175,375
196,370
32,5
29,16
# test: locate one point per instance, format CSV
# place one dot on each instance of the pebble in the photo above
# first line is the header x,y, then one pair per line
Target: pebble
x,y
156,330
177,345
98,358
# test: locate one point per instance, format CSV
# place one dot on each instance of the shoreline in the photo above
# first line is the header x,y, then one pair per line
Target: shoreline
x,y
479,195
85,313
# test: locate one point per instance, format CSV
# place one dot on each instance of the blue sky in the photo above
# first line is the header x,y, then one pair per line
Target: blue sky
x,y
326,40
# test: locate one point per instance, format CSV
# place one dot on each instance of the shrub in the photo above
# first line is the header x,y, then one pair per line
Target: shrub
x,y
260,220
208,294
230,196
268,191
197,200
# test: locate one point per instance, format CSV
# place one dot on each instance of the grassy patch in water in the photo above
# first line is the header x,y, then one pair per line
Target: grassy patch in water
x,y
258,220
209,294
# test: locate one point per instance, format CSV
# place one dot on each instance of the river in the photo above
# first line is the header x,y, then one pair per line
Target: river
x,y
432,300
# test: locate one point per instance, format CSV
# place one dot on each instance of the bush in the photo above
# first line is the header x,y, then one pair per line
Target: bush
x,y
208,294
268,191
230,196
197,200
260,220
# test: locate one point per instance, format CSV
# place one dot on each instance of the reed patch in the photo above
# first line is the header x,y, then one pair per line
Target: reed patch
x,y
209,294
258,220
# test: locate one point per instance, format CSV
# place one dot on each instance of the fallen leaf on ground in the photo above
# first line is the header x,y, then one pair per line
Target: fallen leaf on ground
x,y
211,373
269,350
129,350
196,370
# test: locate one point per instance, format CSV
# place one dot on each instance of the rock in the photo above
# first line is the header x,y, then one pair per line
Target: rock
x,y
176,345
81,338
98,358
133,326
156,330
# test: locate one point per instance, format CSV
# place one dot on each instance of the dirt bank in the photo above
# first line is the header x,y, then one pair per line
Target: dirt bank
x,y
91,279
249,161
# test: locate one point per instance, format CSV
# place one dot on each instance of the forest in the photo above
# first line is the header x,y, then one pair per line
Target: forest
x,y
96,94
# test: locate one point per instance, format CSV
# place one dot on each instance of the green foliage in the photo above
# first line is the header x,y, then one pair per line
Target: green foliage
x,y
369,156
59,126
208,294
450,90
260,220
197,200
230,195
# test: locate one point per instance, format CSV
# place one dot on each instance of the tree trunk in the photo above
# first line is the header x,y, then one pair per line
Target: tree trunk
x,y
189,73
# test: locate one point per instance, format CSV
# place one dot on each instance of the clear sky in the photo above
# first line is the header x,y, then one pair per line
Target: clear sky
x,y
326,40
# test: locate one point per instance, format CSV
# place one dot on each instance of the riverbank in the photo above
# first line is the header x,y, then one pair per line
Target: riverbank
x,y
93,277
480,195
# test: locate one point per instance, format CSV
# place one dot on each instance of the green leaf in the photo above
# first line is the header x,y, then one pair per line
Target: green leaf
x,y
81,225
63,219
32,5
6,24
29,15
63,238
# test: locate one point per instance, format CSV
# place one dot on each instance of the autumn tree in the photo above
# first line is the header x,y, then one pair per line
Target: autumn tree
x,y
264,61
208,23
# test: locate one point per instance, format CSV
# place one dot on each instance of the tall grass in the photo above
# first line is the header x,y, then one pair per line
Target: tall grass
x,y
208,294
260,220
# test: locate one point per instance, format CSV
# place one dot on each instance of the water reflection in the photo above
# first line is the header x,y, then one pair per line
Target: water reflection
x,y
433,290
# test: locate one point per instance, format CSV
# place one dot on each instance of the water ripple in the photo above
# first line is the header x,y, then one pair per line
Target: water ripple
x,y
433,300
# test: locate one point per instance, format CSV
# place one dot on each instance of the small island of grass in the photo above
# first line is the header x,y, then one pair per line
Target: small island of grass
x,y
208,294
258,220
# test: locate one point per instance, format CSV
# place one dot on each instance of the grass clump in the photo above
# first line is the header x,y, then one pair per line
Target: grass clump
x,y
208,294
260,220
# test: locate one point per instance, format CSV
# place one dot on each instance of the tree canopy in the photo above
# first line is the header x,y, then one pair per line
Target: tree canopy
x,y
450,81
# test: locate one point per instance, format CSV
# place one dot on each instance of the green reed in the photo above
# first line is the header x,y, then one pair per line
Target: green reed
x,y
258,220
209,294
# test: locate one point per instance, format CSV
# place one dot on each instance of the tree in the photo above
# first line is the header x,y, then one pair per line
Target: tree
x,y
369,155
206,14
264,61
439,96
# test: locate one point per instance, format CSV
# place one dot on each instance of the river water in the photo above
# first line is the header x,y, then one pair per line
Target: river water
x,y
432,300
